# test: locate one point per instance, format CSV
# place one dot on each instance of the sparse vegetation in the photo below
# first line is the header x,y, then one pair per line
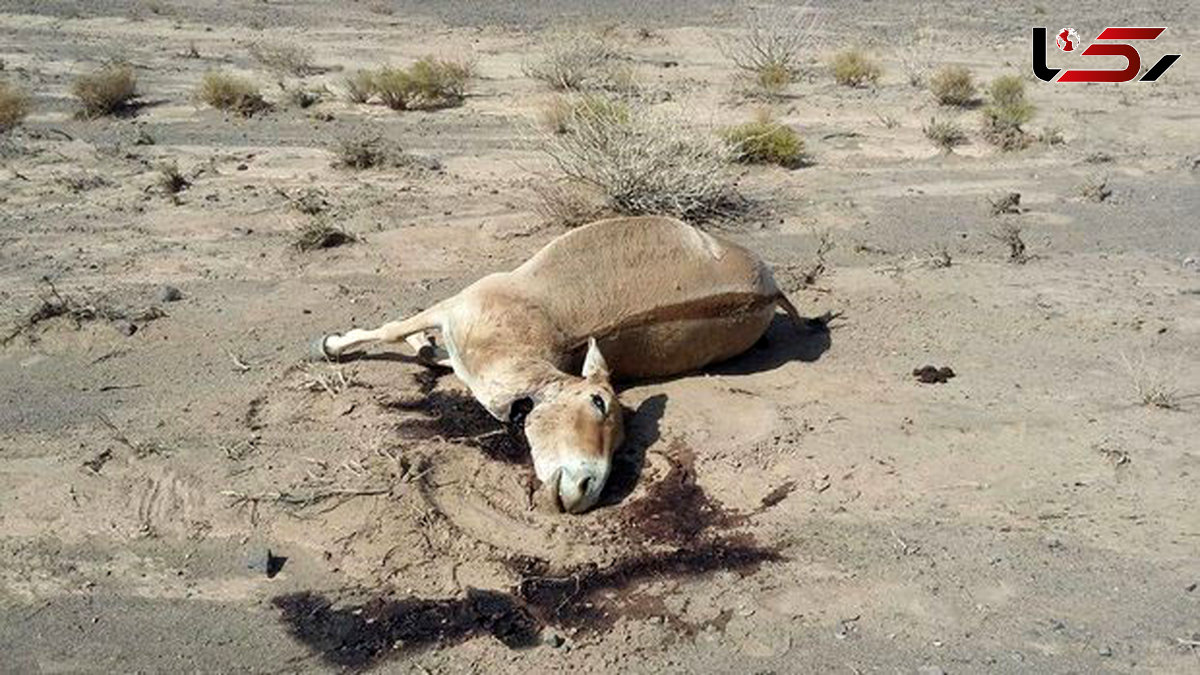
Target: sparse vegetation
x,y
231,93
772,47
915,57
1095,189
766,141
107,91
1150,385
1051,136
566,203
14,106
321,233
368,149
304,97
952,85
652,164
360,86
428,83
1005,204
853,68
284,58
561,114
1006,111
170,180
575,61
945,134
1010,234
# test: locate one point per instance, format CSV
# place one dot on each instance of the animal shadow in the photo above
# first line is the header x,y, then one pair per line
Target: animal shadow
x,y
641,432
784,341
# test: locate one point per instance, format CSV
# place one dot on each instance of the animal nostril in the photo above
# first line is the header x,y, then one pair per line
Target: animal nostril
x,y
583,484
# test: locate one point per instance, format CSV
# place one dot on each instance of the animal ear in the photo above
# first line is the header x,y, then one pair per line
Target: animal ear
x,y
594,365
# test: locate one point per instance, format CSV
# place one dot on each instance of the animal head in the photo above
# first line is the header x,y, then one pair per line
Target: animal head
x,y
573,428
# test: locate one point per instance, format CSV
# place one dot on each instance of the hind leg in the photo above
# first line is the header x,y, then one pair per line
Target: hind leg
x,y
427,350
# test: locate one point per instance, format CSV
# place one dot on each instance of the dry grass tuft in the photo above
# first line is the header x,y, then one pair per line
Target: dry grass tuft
x,y
1006,111
286,58
651,164
952,85
945,134
369,149
170,180
771,49
428,83
1010,234
766,141
360,86
1151,385
14,106
321,233
567,204
562,113
853,68
575,61
1095,189
231,93
107,91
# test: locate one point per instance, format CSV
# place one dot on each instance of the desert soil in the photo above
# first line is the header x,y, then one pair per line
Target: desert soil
x,y
809,507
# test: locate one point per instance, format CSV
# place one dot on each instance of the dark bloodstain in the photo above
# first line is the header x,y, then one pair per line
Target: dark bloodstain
x,y
933,375
675,531
357,635
675,509
456,417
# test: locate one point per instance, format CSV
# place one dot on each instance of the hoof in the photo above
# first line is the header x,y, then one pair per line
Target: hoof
x,y
316,350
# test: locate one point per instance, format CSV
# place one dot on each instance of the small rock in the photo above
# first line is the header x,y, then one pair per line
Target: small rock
x,y
553,639
126,328
169,294
266,562
930,670
933,375
1106,651
242,167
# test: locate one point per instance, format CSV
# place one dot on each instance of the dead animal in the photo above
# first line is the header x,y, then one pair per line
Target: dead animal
x,y
619,299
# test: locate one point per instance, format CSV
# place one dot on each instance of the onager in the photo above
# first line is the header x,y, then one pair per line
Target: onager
x,y
617,299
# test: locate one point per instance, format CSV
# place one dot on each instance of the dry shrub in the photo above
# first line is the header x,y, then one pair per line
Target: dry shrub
x,y
567,204
560,114
321,233
853,68
575,61
1151,384
1006,111
171,180
945,134
360,86
231,93
437,82
915,57
650,164
14,106
286,58
367,149
952,85
107,91
428,83
766,141
773,46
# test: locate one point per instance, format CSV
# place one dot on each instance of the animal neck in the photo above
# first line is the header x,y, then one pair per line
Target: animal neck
x,y
515,377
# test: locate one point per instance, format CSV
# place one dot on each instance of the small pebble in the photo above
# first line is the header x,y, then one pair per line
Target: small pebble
x,y
1106,651
553,640
125,328
930,670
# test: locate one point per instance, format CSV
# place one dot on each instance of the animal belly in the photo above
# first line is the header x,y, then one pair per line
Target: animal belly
x,y
682,345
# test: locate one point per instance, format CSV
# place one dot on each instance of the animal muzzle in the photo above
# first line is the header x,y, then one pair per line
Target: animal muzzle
x,y
580,484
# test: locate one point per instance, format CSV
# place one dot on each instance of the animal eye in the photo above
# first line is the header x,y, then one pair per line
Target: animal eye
x,y
598,401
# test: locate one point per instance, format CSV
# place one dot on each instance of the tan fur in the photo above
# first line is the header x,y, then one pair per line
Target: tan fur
x,y
659,297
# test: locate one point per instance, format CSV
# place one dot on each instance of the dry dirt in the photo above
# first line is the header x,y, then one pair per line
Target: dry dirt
x,y
809,507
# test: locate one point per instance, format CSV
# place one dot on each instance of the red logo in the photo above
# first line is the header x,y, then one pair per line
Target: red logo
x,y
1068,41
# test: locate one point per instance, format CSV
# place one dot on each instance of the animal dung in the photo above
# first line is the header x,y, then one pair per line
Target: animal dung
x,y
933,374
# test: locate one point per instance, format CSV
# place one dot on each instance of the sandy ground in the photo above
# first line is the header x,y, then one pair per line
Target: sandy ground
x,y
809,507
